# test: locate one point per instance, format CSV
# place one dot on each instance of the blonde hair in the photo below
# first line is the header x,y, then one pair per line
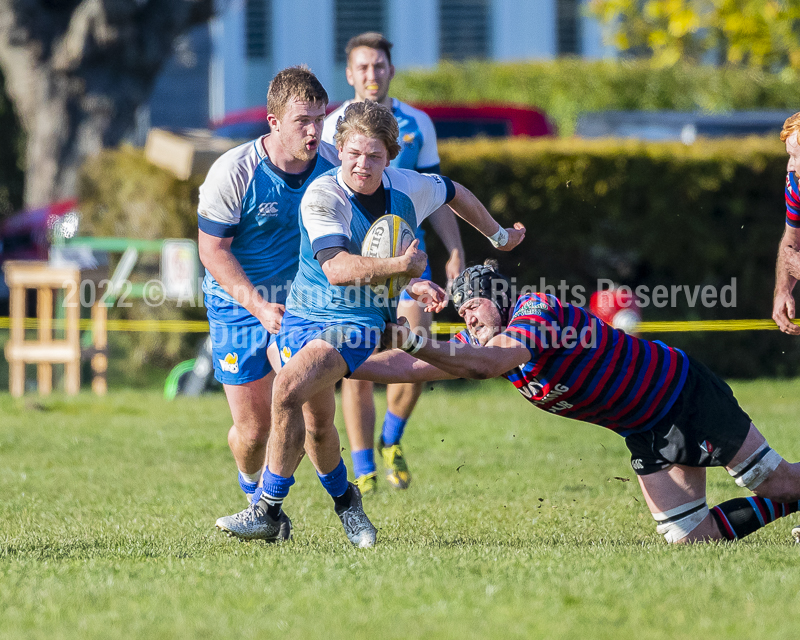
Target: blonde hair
x,y
791,127
294,83
372,120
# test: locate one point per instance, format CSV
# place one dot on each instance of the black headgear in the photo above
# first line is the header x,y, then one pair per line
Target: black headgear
x,y
483,281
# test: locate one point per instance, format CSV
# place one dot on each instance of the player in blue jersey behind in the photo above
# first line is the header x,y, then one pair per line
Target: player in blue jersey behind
x,y
334,320
677,417
249,242
370,72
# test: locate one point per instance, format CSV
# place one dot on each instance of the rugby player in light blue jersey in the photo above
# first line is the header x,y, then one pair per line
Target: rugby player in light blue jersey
x,y
333,320
370,72
249,242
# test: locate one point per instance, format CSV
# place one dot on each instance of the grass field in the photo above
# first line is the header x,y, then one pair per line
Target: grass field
x,y
517,525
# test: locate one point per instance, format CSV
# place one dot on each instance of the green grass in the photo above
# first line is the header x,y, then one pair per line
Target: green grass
x,y
517,525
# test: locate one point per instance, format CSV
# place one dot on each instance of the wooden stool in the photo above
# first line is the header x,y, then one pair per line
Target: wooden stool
x,y
22,275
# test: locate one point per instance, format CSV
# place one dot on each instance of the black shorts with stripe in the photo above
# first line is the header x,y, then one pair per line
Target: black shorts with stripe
x,y
705,427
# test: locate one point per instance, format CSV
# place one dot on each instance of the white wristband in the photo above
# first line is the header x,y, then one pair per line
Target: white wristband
x,y
499,239
413,343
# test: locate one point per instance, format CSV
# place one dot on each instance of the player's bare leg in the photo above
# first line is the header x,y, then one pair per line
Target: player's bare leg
x,y
250,405
303,411
313,369
676,496
673,497
358,407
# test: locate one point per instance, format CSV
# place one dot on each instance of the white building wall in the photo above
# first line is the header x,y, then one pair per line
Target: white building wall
x,y
228,64
303,34
523,29
592,44
414,31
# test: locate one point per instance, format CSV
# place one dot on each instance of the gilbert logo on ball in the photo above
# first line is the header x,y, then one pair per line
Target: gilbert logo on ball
x,y
388,237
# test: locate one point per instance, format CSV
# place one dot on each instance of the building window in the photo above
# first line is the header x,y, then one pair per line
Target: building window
x,y
354,17
258,28
464,29
568,19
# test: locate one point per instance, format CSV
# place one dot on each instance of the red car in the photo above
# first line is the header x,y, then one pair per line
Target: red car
x,y
450,121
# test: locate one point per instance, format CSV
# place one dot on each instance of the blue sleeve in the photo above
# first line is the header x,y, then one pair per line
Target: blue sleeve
x,y
436,168
451,189
329,242
216,229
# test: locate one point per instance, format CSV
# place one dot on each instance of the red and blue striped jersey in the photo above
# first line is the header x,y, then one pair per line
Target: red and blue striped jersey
x,y
582,368
792,201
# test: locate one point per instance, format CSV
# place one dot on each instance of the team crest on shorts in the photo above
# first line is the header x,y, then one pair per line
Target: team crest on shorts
x,y
286,353
230,364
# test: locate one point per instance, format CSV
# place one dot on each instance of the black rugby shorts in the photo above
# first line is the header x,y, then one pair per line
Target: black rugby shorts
x,y
705,427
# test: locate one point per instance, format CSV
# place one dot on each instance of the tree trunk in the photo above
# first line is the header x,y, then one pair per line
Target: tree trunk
x,y
77,70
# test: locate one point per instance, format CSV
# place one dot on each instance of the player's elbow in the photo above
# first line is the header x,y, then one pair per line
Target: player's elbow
x,y
480,371
337,277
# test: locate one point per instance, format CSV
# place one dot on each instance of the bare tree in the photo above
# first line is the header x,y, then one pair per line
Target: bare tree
x,y
77,70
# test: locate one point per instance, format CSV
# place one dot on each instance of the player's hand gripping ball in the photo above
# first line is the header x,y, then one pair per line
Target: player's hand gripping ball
x,y
388,237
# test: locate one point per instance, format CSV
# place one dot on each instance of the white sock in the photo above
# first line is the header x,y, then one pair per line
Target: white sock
x,y
251,477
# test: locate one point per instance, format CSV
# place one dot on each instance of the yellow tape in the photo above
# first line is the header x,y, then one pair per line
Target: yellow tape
x,y
439,328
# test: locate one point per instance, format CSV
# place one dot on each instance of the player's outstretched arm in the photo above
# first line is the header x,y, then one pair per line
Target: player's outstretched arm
x,y
345,268
787,272
470,209
500,355
394,365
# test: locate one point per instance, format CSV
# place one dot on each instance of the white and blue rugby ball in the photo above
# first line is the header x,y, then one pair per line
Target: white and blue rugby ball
x,y
388,237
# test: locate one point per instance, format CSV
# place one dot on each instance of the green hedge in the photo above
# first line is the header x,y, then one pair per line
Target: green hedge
x,y
567,87
643,214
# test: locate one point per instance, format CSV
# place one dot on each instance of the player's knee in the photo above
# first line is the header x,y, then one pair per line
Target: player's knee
x,y
678,525
760,472
286,394
250,434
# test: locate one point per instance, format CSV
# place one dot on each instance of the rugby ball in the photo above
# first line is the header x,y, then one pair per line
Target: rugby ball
x,y
388,237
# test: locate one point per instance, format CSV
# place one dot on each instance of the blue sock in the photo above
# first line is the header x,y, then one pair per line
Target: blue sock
x,y
248,487
276,486
363,462
335,482
393,427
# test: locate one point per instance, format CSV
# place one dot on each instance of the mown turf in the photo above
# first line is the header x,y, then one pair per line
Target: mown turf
x,y
517,525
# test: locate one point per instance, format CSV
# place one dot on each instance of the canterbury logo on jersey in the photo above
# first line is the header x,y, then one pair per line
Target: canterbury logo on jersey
x,y
267,210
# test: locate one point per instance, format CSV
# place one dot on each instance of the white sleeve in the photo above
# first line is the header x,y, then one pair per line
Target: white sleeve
x,y
429,154
223,190
326,215
331,120
427,191
329,153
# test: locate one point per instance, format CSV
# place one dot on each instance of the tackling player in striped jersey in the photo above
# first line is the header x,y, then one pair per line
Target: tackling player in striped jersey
x,y
676,416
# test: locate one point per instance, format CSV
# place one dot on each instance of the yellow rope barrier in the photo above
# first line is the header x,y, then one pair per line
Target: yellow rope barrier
x,y
201,326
